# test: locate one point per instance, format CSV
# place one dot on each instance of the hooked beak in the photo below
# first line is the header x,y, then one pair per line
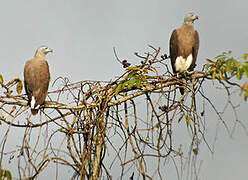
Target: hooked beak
x,y
49,50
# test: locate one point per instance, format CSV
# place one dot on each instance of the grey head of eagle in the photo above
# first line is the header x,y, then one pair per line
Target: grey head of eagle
x,y
190,18
184,45
37,78
43,51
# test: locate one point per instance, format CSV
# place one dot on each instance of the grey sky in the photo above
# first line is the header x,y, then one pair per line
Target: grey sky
x,y
83,33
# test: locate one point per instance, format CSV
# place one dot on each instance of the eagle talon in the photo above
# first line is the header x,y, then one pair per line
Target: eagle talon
x,y
186,73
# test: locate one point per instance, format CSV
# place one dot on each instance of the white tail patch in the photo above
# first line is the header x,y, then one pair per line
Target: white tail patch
x,y
32,103
182,64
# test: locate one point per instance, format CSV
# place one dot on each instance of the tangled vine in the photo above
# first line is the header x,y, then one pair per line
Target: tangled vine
x,y
95,126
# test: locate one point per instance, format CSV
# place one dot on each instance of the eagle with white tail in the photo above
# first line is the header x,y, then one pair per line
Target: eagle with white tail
x,y
184,45
36,79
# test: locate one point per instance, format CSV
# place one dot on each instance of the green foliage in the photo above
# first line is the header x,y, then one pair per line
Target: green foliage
x,y
187,118
224,67
136,77
5,174
181,117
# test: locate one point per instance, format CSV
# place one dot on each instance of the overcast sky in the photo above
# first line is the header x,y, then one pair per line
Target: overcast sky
x,y
84,32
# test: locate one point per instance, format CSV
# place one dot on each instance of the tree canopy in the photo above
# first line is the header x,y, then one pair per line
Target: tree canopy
x,y
129,122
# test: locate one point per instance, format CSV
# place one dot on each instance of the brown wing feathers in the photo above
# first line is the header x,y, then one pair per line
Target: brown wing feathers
x,y
173,49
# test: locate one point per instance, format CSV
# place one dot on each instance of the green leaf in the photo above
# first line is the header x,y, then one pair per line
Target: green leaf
x,y
138,83
245,56
213,75
238,73
207,66
130,83
130,68
245,70
118,88
19,87
8,175
144,80
219,56
5,174
131,75
188,120
228,66
220,60
245,95
181,117
220,75
1,79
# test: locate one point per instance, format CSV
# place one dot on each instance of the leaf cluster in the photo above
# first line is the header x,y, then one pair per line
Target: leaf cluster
x,y
187,118
5,174
10,84
136,77
224,67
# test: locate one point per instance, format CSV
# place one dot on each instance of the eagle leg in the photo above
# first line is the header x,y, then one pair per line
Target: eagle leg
x,y
182,76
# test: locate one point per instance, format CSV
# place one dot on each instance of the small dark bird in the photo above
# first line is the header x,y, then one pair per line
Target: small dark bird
x,y
36,79
184,45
